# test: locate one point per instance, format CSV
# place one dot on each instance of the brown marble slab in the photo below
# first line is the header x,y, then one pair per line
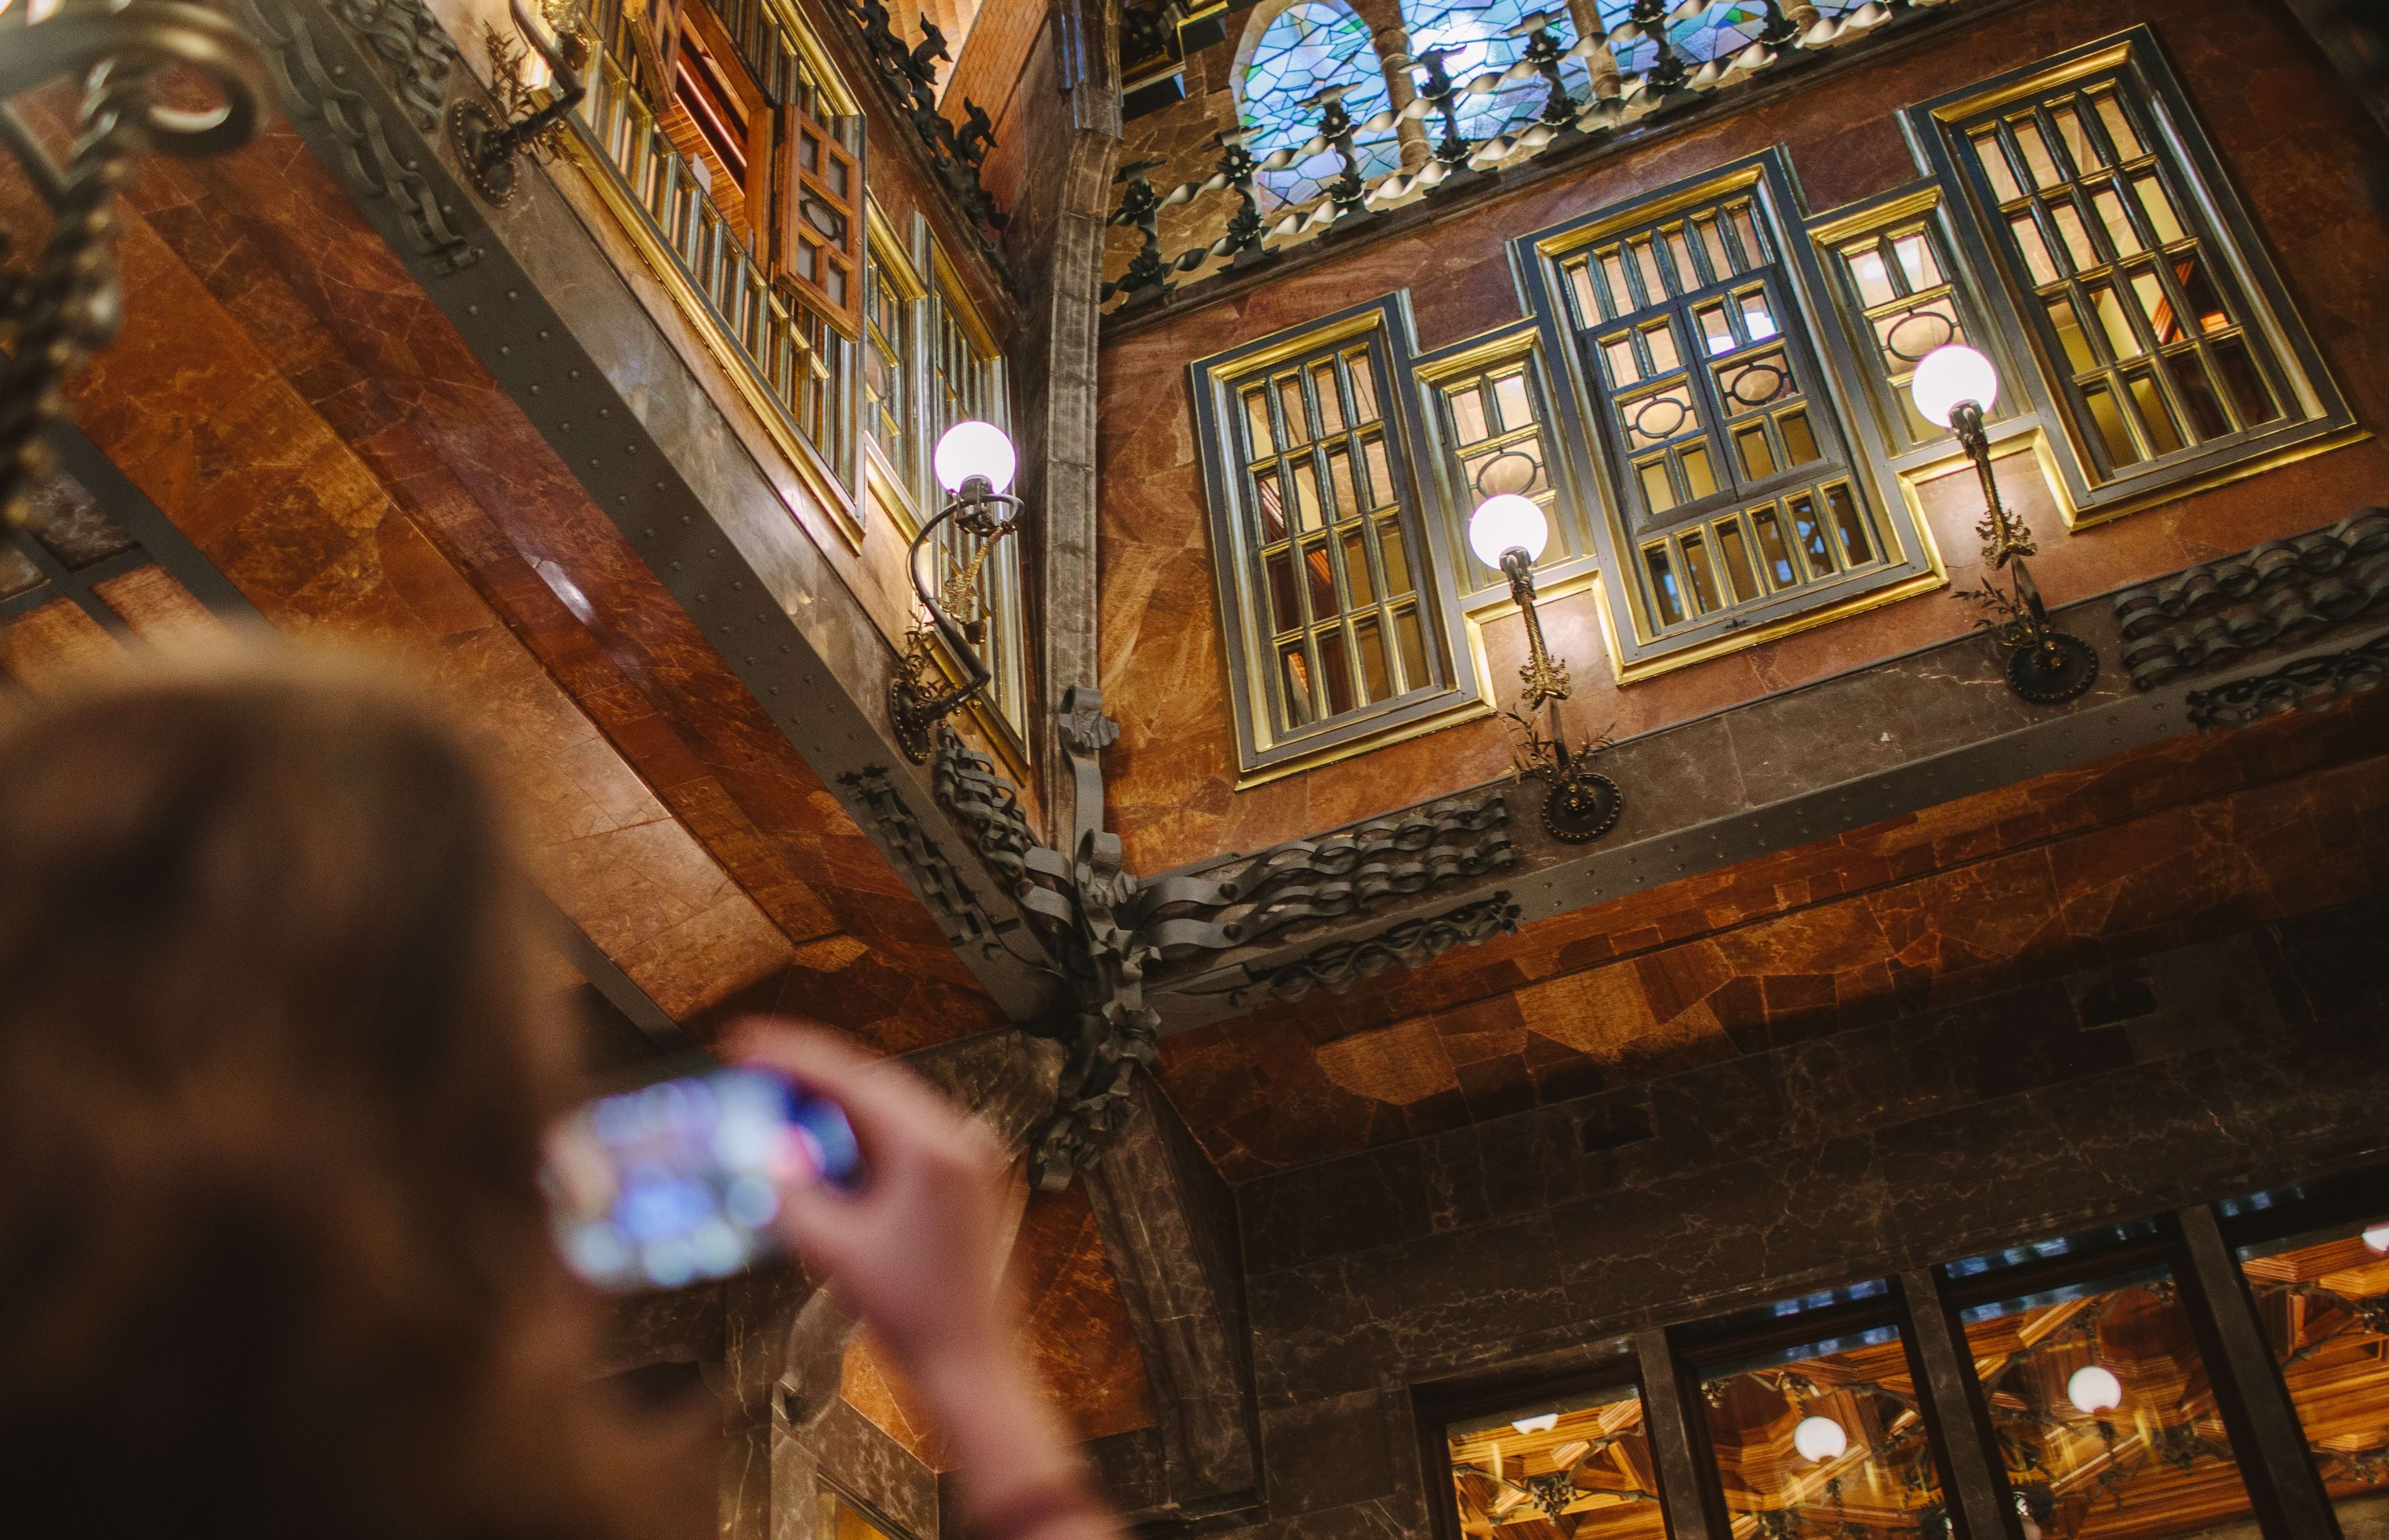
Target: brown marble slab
x,y
2139,852
295,403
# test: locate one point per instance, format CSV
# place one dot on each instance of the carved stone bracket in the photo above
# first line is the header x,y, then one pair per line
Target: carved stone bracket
x,y
1340,964
2208,614
2309,685
1109,929
418,57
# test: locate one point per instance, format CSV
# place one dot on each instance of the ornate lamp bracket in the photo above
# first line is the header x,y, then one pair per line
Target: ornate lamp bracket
x,y
1579,804
2044,664
485,147
915,704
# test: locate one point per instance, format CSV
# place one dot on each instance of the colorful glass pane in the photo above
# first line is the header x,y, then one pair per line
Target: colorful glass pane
x,y
1306,48
1484,37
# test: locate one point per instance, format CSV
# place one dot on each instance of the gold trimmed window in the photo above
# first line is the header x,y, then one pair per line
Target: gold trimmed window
x,y
2170,349
1900,289
1337,595
1490,414
1738,506
962,372
693,133
889,291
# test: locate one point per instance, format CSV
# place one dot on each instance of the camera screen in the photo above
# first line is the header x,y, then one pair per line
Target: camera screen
x,y
680,1181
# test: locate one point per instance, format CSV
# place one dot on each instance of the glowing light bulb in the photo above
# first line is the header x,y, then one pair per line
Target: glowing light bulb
x,y
1820,1438
1952,375
1507,523
2377,1236
2094,1390
972,449
1542,1424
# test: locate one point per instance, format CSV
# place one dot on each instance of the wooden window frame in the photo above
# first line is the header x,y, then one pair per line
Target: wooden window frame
x,y
755,189
1269,744
1842,496
2313,413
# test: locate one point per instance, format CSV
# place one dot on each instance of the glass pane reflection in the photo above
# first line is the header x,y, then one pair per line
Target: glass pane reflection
x,y
1826,1439
1575,1467
2105,1416
2324,1300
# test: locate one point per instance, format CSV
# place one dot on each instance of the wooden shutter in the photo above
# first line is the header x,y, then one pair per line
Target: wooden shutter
x,y
820,218
655,39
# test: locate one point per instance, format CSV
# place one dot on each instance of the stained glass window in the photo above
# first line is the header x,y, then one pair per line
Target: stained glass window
x,y
1481,38
1305,48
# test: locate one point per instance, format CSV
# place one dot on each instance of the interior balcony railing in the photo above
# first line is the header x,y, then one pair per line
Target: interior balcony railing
x,y
778,351
1565,89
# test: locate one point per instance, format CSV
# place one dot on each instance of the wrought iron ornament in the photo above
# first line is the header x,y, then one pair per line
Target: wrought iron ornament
x,y
2309,685
418,57
2044,664
2299,587
1788,33
916,702
910,71
1108,929
485,147
67,307
1579,804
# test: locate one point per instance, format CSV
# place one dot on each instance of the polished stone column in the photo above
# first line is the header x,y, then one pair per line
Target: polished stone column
x,y
2279,1473
1667,1404
1977,1492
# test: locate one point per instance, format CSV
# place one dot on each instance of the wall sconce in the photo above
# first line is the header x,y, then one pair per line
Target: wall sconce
x,y
1509,532
974,463
485,147
1954,386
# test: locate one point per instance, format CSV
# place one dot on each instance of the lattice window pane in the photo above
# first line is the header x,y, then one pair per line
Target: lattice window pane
x,y
2102,229
1331,539
1736,481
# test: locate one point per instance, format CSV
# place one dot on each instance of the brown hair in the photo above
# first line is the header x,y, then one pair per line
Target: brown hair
x,y
273,1257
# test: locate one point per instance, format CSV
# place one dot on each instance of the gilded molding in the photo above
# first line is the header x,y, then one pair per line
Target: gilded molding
x,y
2208,615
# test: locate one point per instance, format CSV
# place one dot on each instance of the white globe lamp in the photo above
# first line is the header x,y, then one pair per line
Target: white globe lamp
x,y
1820,1438
2377,1236
974,449
1542,1424
1507,523
1948,376
2094,1390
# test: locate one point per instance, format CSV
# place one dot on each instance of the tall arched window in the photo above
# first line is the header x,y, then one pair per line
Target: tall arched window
x,y
1290,54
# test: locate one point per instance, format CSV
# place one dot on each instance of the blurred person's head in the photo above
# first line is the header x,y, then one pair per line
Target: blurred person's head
x,y
273,1079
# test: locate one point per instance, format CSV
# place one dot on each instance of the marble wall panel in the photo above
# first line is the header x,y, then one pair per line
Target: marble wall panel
x,y
1767,1211
302,409
2137,854
1171,777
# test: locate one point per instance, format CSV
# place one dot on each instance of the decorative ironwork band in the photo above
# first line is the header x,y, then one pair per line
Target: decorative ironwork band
x,y
2309,685
2210,614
